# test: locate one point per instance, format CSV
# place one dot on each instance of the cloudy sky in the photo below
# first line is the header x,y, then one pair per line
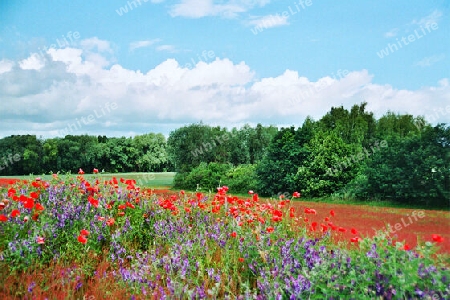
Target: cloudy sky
x,y
121,68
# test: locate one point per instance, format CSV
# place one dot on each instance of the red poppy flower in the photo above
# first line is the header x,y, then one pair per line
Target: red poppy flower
x,y
233,234
23,198
355,239
241,259
93,202
3,218
29,203
95,171
270,229
121,206
35,217
110,222
332,213
82,239
327,219
291,212
38,207
130,205
100,218
84,232
310,211
406,247
36,183
34,195
296,195
437,238
354,231
15,213
11,192
40,240
341,229
80,171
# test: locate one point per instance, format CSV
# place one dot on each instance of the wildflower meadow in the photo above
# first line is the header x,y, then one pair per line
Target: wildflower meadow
x,y
73,238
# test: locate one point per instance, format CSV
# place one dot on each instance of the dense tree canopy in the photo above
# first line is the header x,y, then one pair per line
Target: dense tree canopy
x,y
345,153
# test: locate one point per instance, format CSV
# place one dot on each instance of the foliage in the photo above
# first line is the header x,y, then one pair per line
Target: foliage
x,y
144,153
285,154
188,146
326,168
241,179
204,177
337,155
413,169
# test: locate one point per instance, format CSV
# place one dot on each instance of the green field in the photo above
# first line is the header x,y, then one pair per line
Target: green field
x,y
149,180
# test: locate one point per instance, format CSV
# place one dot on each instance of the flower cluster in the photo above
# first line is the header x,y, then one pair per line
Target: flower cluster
x,y
182,245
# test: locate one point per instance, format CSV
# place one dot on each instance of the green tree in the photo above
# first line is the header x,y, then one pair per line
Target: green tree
x,y
412,169
152,152
278,167
328,166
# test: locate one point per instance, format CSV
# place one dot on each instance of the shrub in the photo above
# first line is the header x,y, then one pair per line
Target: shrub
x,y
205,176
241,179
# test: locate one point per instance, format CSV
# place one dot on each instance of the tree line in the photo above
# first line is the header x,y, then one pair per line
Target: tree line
x,y
345,154
142,153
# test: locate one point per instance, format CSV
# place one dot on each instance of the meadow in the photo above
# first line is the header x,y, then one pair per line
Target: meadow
x,y
102,236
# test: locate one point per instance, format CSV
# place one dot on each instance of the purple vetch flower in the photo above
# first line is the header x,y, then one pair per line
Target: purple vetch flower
x,y
31,287
79,285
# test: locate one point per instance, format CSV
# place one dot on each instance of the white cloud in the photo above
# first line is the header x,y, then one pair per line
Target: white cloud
x,y
168,48
142,44
34,62
433,17
430,60
6,65
391,33
95,43
269,21
203,8
72,85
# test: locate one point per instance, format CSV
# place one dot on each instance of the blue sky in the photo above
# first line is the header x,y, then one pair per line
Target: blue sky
x,y
162,64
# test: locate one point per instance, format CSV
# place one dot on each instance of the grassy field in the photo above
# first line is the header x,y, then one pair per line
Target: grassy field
x,y
148,180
